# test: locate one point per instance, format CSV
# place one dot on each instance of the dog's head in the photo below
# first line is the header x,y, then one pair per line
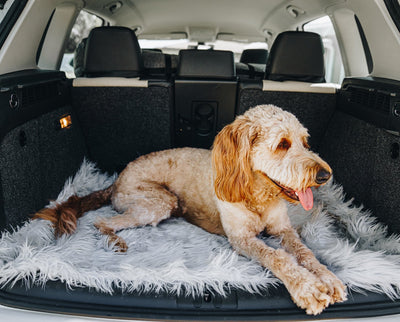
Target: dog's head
x,y
270,143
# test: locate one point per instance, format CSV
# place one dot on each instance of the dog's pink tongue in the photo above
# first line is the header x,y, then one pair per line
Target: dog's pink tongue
x,y
306,198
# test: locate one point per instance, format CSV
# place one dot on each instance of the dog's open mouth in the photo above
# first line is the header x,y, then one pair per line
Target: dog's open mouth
x,y
305,197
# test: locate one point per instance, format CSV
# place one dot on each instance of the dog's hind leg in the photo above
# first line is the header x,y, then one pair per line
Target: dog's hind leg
x,y
148,204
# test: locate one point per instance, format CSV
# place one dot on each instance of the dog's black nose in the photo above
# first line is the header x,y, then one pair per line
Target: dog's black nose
x,y
322,176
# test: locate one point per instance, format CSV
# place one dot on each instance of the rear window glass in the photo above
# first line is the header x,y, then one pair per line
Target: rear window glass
x,y
5,8
173,46
334,70
81,29
9,13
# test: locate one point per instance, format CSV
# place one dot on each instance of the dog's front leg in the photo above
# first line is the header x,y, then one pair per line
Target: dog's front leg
x,y
290,240
241,226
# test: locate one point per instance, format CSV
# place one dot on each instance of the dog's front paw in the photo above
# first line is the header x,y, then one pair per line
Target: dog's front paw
x,y
309,293
336,289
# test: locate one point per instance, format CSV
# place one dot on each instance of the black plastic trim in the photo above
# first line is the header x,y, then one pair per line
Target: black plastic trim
x,y
14,84
377,89
29,76
202,109
250,84
9,20
238,305
367,51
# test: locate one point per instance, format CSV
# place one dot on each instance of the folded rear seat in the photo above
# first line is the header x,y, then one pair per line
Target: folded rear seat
x,y
122,114
295,81
205,96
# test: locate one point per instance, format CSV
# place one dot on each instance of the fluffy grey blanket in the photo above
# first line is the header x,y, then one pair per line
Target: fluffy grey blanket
x,y
179,257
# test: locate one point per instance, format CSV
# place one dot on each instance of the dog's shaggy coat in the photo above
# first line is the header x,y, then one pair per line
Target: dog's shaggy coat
x,y
237,190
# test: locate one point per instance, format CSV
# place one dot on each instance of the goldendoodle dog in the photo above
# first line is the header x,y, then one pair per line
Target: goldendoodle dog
x,y
238,189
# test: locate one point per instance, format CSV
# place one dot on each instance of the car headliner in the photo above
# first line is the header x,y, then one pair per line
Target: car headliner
x,y
207,20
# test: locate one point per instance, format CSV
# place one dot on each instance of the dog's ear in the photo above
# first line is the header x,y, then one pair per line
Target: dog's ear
x,y
233,177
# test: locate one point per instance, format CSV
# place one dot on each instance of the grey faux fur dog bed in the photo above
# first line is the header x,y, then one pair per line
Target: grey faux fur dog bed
x,y
177,256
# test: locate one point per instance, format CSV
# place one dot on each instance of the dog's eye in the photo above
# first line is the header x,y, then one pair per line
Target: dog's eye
x,y
284,144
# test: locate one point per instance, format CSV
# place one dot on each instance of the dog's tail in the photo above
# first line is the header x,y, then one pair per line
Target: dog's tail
x,y
65,215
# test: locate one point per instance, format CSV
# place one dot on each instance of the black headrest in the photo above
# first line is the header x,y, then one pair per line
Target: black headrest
x,y
153,59
296,55
206,64
156,64
112,51
255,56
79,56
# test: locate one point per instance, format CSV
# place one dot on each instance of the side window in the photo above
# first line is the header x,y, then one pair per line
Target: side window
x,y
83,24
4,8
9,12
334,70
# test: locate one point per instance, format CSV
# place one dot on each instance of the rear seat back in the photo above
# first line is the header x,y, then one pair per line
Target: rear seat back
x,y
205,96
295,81
122,115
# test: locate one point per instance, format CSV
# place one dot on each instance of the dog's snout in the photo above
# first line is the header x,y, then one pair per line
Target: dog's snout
x,y
322,176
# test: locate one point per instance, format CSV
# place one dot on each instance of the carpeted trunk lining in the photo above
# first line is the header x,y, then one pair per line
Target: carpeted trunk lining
x,y
361,158
35,160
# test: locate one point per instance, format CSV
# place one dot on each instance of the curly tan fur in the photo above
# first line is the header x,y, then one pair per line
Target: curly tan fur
x,y
231,160
238,190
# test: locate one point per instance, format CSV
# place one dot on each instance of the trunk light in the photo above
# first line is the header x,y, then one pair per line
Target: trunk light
x,y
65,122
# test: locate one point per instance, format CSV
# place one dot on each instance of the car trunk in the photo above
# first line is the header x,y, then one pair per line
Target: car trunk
x,y
357,135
